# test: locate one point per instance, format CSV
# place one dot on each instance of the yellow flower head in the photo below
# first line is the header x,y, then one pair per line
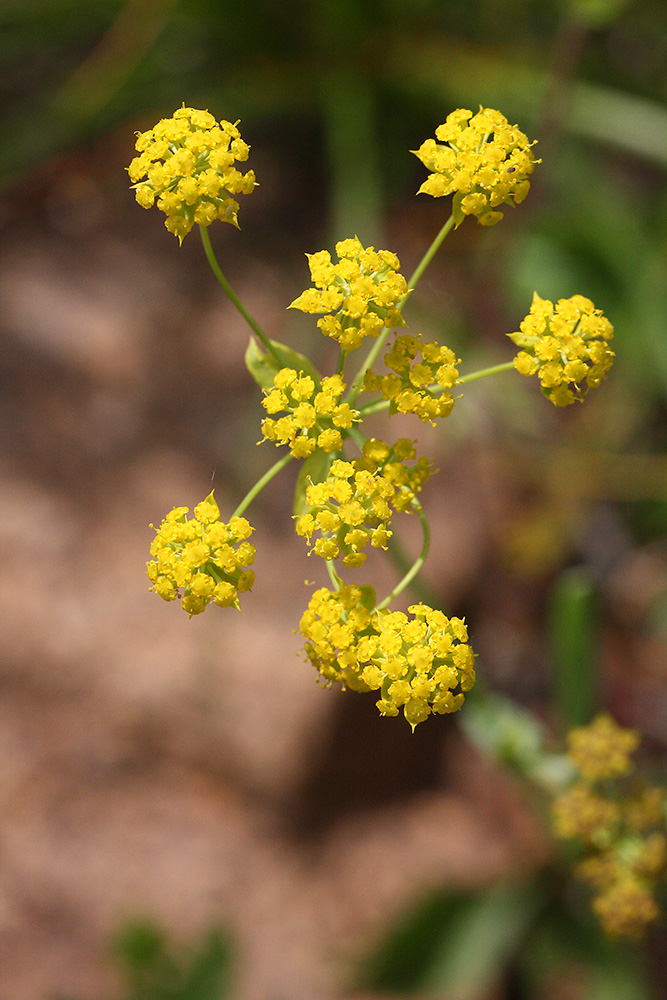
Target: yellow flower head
x,y
418,663
622,831
602,749
315,416
484,162
391,462
186,166
417,386
349,510
202,557
566,345
626,908
360,295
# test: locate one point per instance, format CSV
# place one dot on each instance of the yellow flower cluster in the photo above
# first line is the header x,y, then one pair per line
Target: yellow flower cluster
x,y
484,162
186,163
420,664
349,509
315,415
203,557
361,295
622,833
418,387
602,750
566,345
390,461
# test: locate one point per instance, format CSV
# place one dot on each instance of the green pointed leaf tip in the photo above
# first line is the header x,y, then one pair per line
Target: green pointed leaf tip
x,y
456,209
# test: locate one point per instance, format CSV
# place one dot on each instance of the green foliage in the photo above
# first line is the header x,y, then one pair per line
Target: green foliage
x,y
573,642
264,366
464,945
458,943
152,970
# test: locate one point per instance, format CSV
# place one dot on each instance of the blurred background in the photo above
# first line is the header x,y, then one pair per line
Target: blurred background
x,y
185,812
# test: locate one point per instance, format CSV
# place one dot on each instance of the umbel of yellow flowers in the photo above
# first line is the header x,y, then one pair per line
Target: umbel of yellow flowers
x,y
484,162
620,826
360,294
566,345
186,166
202,557
419,663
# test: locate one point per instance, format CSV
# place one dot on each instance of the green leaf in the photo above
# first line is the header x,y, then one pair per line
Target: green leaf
x,y
264,366
572,633
314,470
454,944
504,730
368,597
483,941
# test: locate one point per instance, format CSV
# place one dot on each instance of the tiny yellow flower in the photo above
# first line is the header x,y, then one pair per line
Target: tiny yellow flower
x,y
484,162
602,749
186,166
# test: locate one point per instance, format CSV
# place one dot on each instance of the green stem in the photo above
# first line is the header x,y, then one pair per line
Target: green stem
x,y
261,483
357,437
419,562
374,407
333,576
428,256
383,404
229,291
358,382
506,366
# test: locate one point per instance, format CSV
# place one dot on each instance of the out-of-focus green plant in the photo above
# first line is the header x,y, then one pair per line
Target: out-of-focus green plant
x,y
152,968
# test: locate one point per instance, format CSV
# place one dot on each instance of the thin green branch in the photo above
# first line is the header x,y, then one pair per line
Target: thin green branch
x,y
229,291
428,257
371,357
333,575
418,563
261,483
506,366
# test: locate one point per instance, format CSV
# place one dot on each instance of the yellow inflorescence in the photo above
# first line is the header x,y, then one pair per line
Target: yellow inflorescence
x,y
566,345
622,831
420,664
202,557
485,162
349,510
602,749
360,294
391,461
419,387
186,166
315,415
